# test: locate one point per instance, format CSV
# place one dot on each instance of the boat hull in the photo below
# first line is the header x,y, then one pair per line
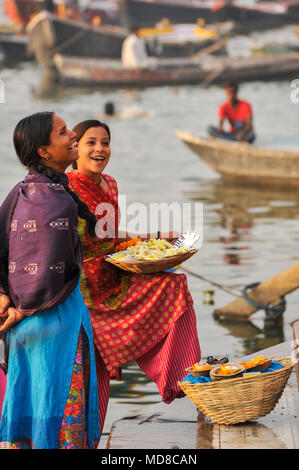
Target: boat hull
x,y
87,72
243,163
15,48
145,13
49,34
110,73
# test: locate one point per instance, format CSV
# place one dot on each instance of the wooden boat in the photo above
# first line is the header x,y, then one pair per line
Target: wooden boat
x,y
244,163
110,73
22,11
186,39
146,13
14,48
49,34
106,10
85,71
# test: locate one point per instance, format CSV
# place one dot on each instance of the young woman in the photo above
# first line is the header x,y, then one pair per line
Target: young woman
x,y
51,399
148,318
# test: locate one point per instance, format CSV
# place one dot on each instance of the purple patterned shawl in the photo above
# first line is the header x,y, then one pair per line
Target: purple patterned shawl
x,y
40,250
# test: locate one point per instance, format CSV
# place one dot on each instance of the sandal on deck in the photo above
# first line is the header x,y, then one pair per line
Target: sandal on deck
x,y
212,360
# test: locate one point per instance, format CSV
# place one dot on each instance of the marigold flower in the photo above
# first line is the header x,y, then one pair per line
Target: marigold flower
x,y
124,245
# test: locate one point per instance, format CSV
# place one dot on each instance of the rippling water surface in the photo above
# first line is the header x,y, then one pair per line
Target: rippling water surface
x,y
250,234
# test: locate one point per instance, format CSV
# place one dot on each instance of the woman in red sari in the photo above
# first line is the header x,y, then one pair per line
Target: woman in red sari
x,y
147,318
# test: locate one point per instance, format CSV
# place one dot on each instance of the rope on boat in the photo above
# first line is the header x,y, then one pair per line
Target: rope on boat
x,y
273,312
216,284
67,42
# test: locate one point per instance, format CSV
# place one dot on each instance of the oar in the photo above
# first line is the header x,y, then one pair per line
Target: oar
x,y
215,73
267,293
211,77
212,48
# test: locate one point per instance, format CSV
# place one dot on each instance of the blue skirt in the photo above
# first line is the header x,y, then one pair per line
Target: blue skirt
x,y
42,350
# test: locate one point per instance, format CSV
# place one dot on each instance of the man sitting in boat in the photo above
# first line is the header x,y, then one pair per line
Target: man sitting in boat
x,y
239,115
134,54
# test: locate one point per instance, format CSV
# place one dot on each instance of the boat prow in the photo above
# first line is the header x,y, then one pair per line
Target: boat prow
x,y
245,163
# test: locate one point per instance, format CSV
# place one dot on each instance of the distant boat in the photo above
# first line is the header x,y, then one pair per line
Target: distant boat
x,y
244,163
49,34
79,71
144,13
14,48
22,11
85,71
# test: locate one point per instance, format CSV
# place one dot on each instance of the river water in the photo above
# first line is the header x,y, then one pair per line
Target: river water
x,y
250,234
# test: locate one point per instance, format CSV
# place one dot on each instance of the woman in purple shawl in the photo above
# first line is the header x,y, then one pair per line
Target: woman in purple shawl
x,y
51,398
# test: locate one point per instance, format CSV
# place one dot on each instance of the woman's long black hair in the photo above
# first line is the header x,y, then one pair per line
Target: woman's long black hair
x,y
33,132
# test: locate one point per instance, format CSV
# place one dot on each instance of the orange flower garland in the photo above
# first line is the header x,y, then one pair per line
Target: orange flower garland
x,y
124,245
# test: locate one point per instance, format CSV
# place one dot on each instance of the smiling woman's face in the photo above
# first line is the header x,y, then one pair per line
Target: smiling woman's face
x,y
94,152
61,149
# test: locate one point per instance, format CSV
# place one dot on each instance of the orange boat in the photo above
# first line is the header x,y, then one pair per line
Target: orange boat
x,y
22,11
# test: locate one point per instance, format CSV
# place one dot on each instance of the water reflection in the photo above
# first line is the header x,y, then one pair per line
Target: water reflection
x,y
238,198
48,89
210,435
236,222
252,337
240,236
134,387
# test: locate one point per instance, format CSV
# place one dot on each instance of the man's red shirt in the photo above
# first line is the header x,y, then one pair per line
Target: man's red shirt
x,y
236,115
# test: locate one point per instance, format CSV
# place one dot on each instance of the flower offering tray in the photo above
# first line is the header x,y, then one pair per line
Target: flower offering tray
x,y
238,371
200,373
258,367
152,266
154,255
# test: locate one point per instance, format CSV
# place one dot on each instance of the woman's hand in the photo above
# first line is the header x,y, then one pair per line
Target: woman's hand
x,y
4,303
170,236
10,318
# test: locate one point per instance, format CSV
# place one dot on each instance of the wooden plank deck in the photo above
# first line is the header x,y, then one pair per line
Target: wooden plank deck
x,y
180,426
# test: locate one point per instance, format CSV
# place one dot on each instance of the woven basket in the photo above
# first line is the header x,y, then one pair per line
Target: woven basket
x,y
152,266
238,400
